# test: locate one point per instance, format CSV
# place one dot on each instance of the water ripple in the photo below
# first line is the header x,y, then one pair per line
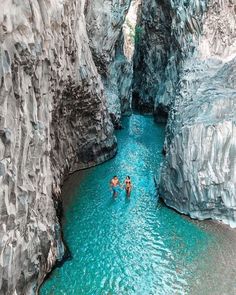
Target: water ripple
x,y
126,246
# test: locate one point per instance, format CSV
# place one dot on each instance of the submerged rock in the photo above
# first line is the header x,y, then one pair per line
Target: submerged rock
x,y
53,121
192,69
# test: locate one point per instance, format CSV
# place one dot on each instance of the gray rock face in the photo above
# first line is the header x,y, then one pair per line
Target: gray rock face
x,y
198,177
53,121
118,85
194,78
104,21
152,48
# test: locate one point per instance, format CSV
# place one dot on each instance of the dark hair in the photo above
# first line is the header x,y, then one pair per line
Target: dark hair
x,y
128,176
114,176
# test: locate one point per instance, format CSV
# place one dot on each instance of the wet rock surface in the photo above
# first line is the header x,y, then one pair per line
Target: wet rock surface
x,y
191,72
53,120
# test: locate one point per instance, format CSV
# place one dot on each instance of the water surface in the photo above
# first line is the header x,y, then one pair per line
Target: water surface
x,y
131,246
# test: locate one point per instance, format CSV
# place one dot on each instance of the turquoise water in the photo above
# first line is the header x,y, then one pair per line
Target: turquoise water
x,y
127,246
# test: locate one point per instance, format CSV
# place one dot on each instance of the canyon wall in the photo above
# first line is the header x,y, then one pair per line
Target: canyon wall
x,y
152,50
191,77
54,119
106,39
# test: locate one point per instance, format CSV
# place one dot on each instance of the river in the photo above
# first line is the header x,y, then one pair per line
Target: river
x,y
137,246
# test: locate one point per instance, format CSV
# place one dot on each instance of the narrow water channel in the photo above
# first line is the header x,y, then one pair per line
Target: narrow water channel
x,y
135,246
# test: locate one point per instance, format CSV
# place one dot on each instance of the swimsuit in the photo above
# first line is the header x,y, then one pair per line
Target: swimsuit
x,y
115,188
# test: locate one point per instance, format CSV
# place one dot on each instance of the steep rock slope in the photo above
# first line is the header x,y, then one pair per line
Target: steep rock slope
x,y
199,174
152,48
194,82
104,21
53,121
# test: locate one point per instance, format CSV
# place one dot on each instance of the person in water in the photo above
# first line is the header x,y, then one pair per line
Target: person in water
x,y
128,186
115,184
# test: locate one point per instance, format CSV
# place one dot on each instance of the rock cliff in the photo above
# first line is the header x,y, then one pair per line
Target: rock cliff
x,y
54,119
106,39
190,72
152,49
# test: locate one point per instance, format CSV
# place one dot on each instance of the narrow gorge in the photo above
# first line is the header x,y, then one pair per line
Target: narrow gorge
x,y
192,44
70,70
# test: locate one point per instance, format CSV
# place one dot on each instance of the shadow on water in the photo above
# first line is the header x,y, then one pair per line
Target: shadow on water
x,y
136,245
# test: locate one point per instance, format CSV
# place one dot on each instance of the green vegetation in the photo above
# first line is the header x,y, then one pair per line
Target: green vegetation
x,y
135,33
138,34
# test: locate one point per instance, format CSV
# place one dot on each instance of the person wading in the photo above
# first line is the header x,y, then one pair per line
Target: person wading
x,y
115,185
128,186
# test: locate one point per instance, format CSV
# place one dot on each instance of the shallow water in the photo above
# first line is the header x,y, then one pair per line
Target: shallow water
x,y
137,245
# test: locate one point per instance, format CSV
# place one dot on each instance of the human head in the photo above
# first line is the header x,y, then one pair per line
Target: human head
x,y
127,177
115,176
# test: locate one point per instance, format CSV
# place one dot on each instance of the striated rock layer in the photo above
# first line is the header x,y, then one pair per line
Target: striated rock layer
x,y
104,22
152,47
190,72
53,121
